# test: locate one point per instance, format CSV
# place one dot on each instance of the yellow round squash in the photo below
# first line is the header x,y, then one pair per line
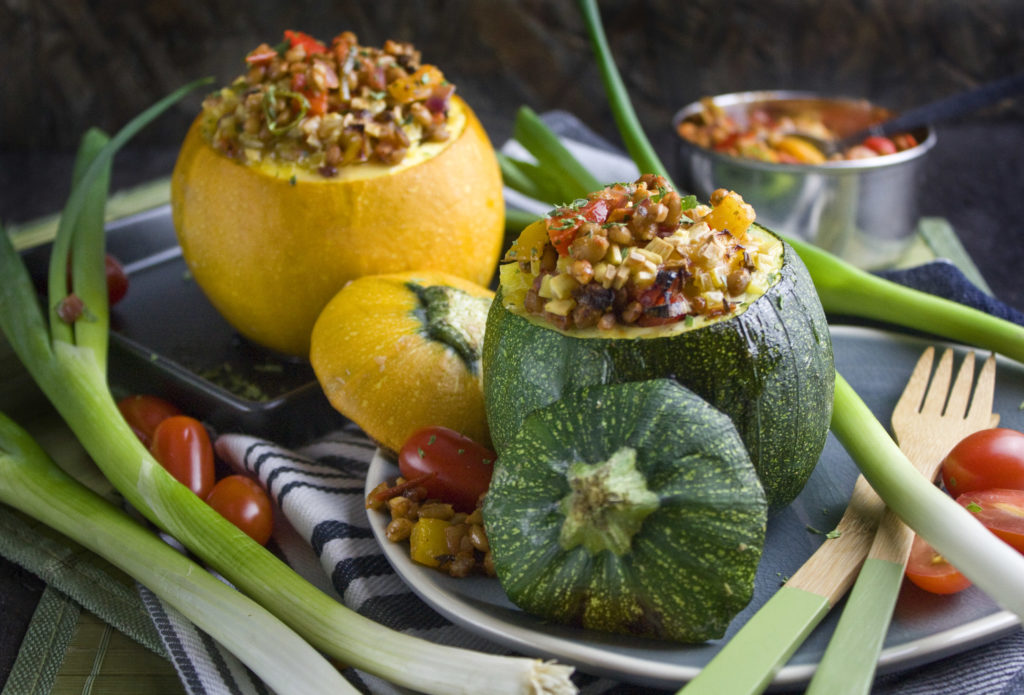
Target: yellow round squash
x,y
397,352
271,243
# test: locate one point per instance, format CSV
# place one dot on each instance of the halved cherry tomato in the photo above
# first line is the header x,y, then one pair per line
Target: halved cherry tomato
x,y
992,458
930,571
461,468
243,501
182,445
143,413
1000,510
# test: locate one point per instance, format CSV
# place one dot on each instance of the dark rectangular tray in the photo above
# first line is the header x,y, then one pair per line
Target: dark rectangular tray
x,y
168,340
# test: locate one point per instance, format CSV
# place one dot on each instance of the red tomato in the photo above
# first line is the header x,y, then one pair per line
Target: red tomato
x,y
1000,510
459,468
243,501
143,413
931,572
880,144
992,458
182,445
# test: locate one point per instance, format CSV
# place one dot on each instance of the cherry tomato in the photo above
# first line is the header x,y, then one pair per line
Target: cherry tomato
x,y
992,458
461,468
880,144
1000,510
117,279
243,501
930,571
143,413
182,445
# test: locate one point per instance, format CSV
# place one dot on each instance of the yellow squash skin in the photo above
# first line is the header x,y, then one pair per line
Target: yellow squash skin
x,y
379,369
270,251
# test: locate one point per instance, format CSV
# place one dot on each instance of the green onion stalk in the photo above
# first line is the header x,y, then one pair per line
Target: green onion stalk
x,y
31,482
950,528
65,353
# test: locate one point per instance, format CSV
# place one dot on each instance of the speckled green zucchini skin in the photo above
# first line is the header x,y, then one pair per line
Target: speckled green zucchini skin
x,y
769,368
691,565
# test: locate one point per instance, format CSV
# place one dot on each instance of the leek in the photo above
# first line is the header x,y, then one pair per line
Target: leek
x,y
32,483
66,361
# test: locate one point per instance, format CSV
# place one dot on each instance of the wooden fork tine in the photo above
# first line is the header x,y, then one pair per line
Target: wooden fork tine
x,y
960,394
981,402
935,399
913,394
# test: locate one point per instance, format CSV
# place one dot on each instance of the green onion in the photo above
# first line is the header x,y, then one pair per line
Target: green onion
x,y
66,361
847,290
550,153
32,483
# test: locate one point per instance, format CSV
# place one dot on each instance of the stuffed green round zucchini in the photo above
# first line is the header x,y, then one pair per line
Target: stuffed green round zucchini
x,y
637,282
630,508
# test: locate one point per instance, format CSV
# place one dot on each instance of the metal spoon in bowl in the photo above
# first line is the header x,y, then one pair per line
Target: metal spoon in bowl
x,y
928,114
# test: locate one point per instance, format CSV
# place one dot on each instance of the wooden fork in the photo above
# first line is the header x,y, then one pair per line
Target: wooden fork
x,y
928,420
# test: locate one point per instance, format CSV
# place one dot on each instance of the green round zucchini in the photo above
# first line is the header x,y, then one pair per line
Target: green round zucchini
x,y
630,508
769,367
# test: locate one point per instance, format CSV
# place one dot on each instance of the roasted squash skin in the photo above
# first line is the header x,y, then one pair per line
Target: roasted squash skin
x,y
770,368
630,508
392,358
270,249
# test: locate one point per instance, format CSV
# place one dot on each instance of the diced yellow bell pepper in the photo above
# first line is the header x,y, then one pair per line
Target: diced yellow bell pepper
x,y
800,149
731,213
427,542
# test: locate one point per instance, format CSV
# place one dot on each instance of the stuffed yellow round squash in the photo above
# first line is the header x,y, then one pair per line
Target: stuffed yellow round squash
x,y
394,353
324,163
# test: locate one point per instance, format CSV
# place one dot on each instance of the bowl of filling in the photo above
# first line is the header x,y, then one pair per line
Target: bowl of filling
x,y
860,203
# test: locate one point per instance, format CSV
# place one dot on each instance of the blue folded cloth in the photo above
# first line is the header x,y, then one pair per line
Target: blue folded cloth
x,y
944,279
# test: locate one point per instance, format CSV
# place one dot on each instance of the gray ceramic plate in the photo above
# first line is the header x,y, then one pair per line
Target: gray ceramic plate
x,y
924,628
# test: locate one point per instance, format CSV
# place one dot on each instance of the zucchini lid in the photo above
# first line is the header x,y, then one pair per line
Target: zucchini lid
x,y
630,508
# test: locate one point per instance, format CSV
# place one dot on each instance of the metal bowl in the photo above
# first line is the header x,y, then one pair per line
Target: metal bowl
x,y
864,210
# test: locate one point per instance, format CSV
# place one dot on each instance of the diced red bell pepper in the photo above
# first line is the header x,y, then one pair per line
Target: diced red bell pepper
x,y
298,38
562,228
